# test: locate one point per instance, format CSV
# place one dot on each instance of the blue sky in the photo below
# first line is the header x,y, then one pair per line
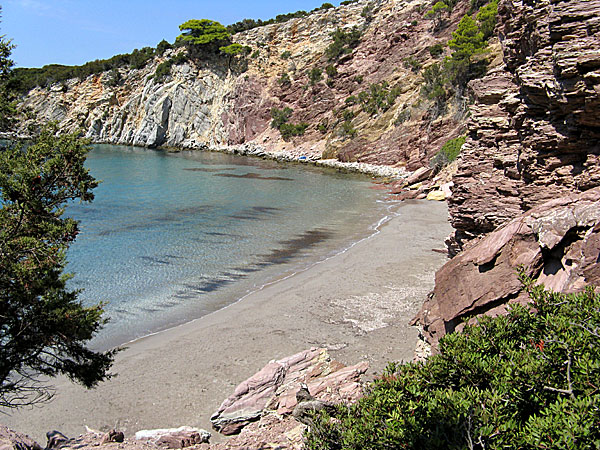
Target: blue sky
x,y
76,31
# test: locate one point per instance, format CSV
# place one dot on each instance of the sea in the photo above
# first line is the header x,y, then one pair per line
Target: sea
x,y
171,237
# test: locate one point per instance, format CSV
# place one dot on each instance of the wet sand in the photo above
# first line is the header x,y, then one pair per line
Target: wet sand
x,y
357,304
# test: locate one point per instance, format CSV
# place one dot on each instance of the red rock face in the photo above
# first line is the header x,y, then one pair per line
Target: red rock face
x,y
534,132
557,244
530,166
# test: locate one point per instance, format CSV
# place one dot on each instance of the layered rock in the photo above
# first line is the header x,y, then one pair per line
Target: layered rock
x,y
12,440
530,165
273,389
534,131
210,103
556,243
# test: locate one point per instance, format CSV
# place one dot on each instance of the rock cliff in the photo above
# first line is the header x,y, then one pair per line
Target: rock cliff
x,y
213,103
534,130
531,166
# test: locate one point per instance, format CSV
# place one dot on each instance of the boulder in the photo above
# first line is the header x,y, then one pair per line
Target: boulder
x,y
437,195
557,244
274,387
112,436
12,440
174,437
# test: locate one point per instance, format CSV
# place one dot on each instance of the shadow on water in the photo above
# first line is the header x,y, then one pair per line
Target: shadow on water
x,y
175,216
291,248
252,175
204,169
255,213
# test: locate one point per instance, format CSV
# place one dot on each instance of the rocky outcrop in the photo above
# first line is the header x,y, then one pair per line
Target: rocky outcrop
x,y
210,103
174,437
557,244
12,440
531,166
273,389
534,131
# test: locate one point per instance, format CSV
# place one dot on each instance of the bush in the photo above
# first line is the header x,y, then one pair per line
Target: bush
x,y
487,17
436,50
527,380
280,121
412,63
331,71
347,130
343,43
289,130
315,75
286,54
323,126
280,116
433,86
379,97
448,153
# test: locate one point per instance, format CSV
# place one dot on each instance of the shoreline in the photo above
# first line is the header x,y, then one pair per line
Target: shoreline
x,y
356,303
257,151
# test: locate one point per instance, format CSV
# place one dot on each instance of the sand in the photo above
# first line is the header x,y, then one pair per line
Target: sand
x,y
357,304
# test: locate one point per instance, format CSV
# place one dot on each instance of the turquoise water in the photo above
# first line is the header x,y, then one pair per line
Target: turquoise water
x,y
172,237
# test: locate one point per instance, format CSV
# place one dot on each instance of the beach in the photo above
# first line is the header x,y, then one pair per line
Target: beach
x,y
357,304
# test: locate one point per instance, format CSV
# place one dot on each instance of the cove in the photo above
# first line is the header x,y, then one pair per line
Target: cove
x,y
171,237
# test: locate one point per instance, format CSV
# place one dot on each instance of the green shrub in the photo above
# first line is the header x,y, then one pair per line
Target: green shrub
x,y
448,153
280,116
343,43
352,100
434,85
289,130
359,79
347,130
437,14
487,18
255,54
331,71
323,126
379,97
412,63
414,23
527,380
348,2
348,114
436,50
164,68
286,54
315,75
280,121
402,117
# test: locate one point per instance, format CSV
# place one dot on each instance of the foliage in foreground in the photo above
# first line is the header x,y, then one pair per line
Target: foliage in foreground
x,y
44,328
528,380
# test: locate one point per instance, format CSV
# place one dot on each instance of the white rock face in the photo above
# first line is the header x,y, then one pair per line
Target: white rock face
x,y
187,109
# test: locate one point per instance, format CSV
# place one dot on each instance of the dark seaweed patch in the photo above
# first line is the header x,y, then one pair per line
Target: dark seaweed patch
x,y
205,169
293,247
253,176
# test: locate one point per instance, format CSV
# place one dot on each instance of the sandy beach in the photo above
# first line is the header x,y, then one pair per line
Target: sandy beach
x,y
357,304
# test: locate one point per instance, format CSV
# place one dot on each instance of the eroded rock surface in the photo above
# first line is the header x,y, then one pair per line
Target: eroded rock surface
x,y
557,244
534,131
13,440
208,103
273,389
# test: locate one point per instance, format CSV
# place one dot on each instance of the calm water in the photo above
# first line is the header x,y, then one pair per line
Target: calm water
x,y
172,237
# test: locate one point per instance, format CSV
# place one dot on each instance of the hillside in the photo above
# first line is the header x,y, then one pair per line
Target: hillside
x,y
214,102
